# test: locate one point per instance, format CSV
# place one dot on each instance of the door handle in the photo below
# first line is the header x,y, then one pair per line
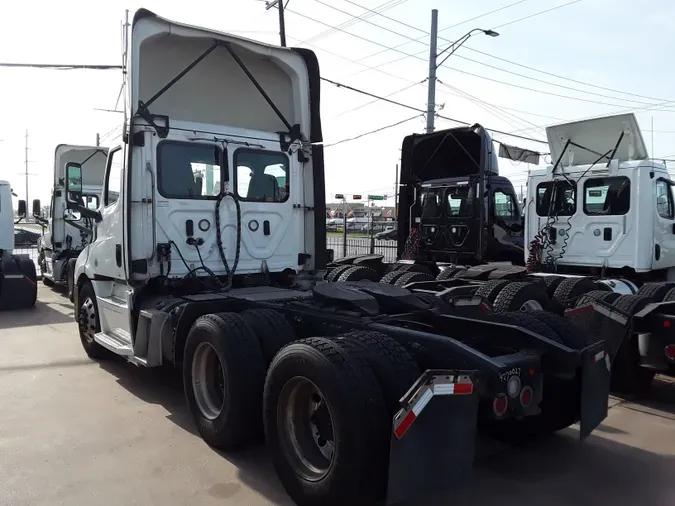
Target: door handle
x,y
118,254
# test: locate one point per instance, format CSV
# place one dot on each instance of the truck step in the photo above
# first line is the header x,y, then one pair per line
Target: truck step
x,y
116,340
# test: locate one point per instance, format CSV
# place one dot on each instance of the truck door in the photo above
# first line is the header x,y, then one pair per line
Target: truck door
x,y
663,254
506,241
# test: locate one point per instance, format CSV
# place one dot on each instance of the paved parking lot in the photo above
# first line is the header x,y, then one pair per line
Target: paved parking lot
x,y
75,432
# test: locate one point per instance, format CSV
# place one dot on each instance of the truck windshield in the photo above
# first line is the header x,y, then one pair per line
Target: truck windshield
x,y
460,201
431,201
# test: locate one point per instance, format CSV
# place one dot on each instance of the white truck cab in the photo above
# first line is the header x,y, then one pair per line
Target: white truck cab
x,y
78,175
603,207
214,182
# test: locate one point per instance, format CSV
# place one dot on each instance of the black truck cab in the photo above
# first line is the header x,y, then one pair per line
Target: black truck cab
x,y
453,198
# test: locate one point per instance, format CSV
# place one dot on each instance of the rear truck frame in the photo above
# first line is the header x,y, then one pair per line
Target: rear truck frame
x,y
363,391
78,177
18,278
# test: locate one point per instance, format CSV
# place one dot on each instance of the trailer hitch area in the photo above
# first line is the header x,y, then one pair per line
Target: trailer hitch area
x,y
596,368
433,435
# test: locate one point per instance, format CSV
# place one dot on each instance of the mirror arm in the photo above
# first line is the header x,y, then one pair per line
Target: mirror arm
x,y
85,212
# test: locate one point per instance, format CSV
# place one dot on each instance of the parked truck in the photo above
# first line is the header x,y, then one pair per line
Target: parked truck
x,y
18,279
78,177
580,225
210,254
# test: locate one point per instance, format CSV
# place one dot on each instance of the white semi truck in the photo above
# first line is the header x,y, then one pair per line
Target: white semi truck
x,y
66,232
18,279
210,253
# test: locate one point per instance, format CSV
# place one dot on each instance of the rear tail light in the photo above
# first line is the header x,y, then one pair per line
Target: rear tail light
x,y
670,352
500,404
526,397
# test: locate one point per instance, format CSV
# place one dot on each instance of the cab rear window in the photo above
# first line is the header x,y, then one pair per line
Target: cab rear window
x,y
607,196
557,198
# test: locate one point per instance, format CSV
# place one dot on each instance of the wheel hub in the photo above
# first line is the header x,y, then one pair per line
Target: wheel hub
x,y
87,320
208,381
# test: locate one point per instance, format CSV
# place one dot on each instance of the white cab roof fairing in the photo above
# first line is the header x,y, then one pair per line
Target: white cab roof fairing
x,y
599,135
216,90
93,157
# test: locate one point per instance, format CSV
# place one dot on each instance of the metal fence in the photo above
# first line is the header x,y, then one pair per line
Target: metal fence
x,y
361,246
32,251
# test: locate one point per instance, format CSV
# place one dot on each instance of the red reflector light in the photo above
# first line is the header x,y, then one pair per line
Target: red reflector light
x,y
670,352
405,424
666,324
463,388
500,404
526,397
532,371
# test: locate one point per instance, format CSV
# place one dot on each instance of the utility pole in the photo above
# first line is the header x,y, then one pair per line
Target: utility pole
x,y
282,22
98,140
396,195
431,99
26,166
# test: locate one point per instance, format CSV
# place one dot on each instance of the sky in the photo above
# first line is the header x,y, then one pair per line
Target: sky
x,y
582,58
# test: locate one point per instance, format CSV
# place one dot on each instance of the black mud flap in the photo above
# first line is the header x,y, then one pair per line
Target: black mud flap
x,y
595,376
433,436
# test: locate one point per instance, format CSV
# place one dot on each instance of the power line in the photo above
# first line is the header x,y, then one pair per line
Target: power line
x,y
61,67
394,102
373,131
377,100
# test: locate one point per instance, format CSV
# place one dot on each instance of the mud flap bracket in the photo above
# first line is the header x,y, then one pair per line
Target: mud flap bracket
x,y
433,436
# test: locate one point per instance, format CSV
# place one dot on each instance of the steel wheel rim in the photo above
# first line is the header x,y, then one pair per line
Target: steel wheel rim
x,y
87,320
306,429
531,305
208,381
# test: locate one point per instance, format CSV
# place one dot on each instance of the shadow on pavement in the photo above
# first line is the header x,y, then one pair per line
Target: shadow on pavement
x,y
557,471
41,314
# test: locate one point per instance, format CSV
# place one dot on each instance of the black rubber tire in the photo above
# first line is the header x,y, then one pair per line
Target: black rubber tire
x,y
656,291
570,288
628,377
28,295
272,330
514,295
570,335
669,296
552,283
413,277
560,397
413,268
449,272
239,421
393,366
93,350
489,290
359,414
391,277
359,273
333,275
47,282
70,279
596,295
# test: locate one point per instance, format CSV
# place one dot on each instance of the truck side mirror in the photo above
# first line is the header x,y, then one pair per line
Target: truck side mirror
x,y
74,180
22,209
37,208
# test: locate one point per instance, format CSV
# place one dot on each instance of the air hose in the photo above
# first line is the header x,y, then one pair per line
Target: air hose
x,y
219,237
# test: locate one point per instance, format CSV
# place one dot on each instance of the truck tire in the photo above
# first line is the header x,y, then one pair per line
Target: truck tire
x,y
391,277
272,330
223,378
89,324
413,268
570,335
28,294
552,283
333,275
357,273
449,273
560,399
521,297
570,289
394,368
669,296
655,291
413,277
596,295
312,386
628,376
490,289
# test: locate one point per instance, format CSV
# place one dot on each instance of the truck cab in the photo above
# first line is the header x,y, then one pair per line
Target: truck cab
x,y
453,196
604,206
78,177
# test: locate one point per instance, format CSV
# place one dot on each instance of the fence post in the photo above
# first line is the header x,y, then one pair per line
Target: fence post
x,y
344,232
372,245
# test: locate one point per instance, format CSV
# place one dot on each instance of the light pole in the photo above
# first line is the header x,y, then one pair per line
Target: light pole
x,y
282,22
433,65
